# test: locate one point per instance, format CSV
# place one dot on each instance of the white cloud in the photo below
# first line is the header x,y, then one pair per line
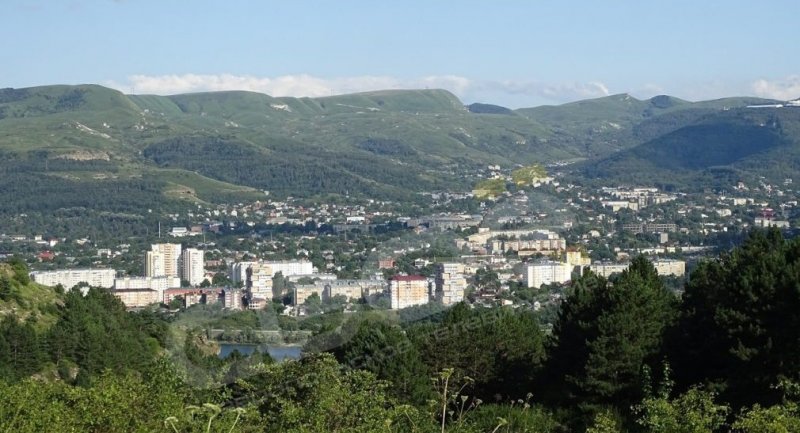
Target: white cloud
x,y
783,89
526,93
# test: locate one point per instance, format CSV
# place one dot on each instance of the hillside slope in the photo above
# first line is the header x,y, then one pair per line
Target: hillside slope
x,y
728,144
88,153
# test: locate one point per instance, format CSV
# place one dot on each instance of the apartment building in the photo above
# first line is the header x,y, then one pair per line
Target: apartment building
x,y
450,283
547,272
69,278
193,266
408,290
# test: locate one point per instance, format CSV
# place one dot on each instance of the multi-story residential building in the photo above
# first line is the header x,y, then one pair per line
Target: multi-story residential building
x,y
69,278
259,281
233,299
650,227
606,269
154,264
291,267
170,255
193,266
238,272
529,247
328,289
670,267
303,291
137,298
146,283
450,283
136,292
547,272
287,268
209,295
576,259
408,290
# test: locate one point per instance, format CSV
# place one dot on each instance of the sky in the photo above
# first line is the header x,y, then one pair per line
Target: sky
x,y
514,53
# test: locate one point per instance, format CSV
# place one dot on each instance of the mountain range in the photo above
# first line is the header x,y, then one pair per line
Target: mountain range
x,y
93,149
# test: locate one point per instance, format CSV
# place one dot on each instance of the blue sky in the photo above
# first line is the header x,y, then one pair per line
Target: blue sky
x,y
514,53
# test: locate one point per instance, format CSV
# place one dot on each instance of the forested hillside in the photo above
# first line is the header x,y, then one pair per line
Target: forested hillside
x,y
89,153
625,355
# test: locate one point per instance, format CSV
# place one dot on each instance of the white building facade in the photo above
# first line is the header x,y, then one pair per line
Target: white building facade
x,y
193,266
450,283
540,273
69,278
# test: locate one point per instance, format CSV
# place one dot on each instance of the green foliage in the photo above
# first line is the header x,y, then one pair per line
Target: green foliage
x,y
692,412
309,396
517,416
21,349
739,316
97,333
605,421
528,175
489,188
604,336
384,350
497,351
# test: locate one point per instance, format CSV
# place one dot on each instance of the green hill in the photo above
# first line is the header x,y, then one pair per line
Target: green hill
x,y
389,143
23,299
88,153
738,141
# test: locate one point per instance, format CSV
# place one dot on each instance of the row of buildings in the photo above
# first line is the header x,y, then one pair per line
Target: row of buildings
x,y
170,260
551,272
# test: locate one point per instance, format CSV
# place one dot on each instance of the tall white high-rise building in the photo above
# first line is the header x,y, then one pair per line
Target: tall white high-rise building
x,y
450,283
171,257
238,272
154,264
259,281
193,266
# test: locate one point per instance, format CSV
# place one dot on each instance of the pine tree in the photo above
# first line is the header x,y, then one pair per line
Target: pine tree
x,y
605,334
740,315
384,350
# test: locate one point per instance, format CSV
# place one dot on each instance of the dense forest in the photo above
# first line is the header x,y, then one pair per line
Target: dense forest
x,y
625,355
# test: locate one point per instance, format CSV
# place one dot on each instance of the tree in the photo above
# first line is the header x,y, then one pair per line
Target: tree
x,y
279,285
313,303
221,279
21,351
497,349
384,350
739,315
605,334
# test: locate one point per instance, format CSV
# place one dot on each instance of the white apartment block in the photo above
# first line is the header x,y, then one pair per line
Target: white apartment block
x,y
233,299
287,268
69,278
193,266
540,273
170,255
291,267
138,298
408,290
259,281
154,264
238,272
450,283
350,289
606,269
147,283
670,267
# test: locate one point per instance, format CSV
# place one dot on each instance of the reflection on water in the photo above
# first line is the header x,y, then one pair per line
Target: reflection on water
x,y
278,353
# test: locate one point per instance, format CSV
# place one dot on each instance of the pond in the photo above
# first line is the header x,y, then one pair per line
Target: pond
x,y
278,353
